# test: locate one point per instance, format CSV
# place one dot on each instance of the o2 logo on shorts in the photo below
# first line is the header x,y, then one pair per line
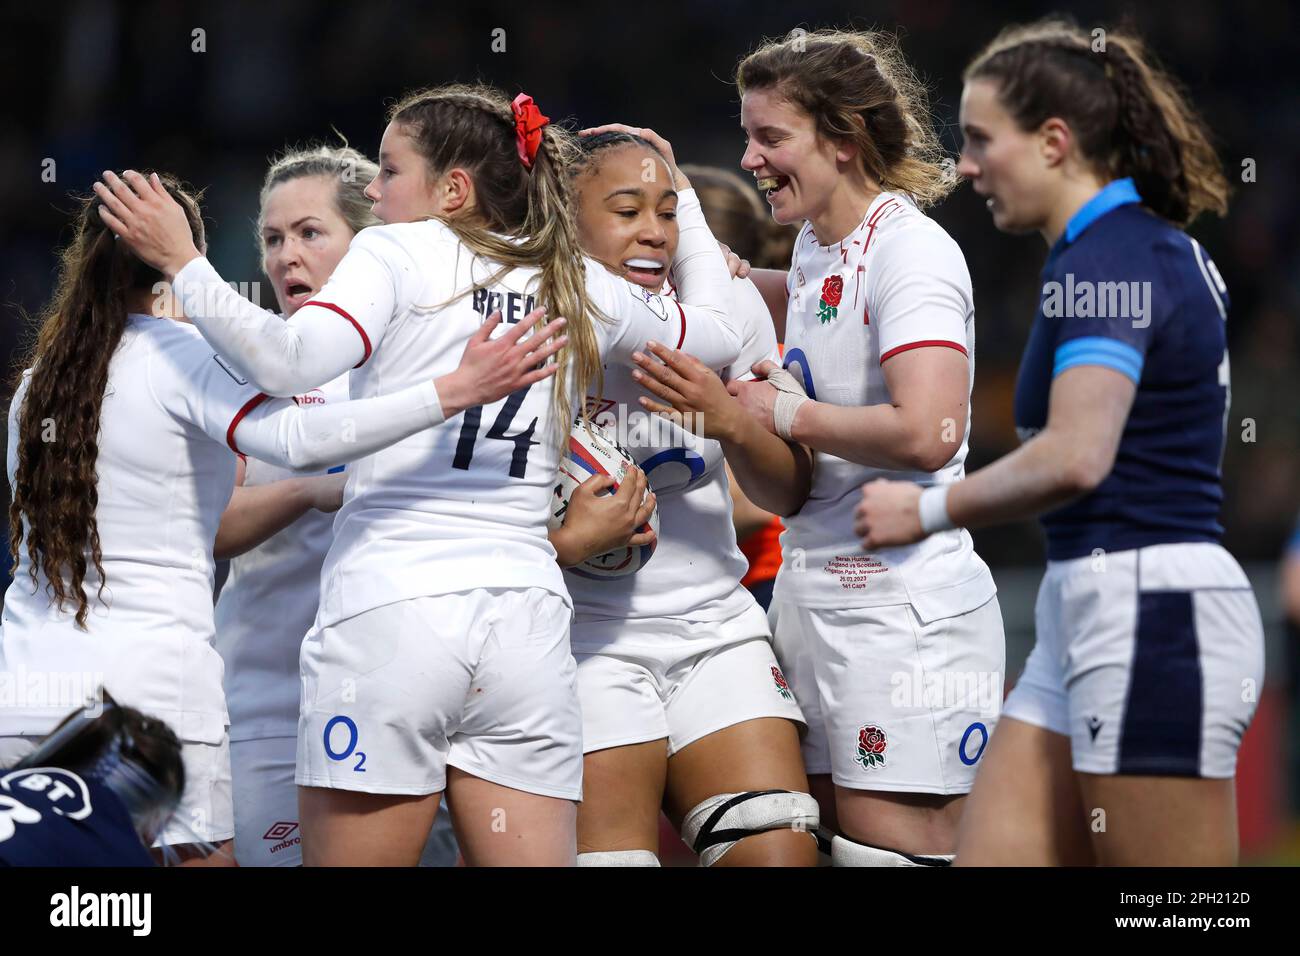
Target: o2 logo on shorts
x,y
350,726
967,744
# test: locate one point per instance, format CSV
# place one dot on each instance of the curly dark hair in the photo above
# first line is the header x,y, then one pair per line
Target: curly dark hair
x,y
54,487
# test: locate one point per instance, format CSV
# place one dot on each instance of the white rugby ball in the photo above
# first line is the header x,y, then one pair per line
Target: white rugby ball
x,y
592,450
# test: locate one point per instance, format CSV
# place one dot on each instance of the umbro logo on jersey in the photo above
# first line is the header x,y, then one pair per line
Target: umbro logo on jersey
x,y
229,369
596,406
1094,726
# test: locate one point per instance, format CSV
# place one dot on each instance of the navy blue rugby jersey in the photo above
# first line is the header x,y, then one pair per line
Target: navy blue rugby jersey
x,y
1124,289
54,817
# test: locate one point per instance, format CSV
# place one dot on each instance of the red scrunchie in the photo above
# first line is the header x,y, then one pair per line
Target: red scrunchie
x,y
529,123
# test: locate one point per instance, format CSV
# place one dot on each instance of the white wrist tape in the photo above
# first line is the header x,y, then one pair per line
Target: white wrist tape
x,y
790,395
933,507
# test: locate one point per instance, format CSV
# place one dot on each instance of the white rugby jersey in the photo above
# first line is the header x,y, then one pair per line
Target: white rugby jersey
x,y
461,506
696,569
897,282
165,474
268,604
171,414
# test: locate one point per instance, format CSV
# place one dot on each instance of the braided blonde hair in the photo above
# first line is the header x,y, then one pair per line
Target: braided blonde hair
x,y
524,217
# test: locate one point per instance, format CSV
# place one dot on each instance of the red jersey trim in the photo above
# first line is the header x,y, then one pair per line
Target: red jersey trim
x,y
893,204
240,415
683,315
365,339
927,343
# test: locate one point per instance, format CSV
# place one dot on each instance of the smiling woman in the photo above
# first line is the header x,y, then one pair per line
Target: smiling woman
x,y
814,95
880,333
628,207
711,737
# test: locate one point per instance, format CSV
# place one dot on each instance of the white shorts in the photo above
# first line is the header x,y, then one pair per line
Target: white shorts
x,y
638,695
1149,660
481,680
206,811
893,702
266,808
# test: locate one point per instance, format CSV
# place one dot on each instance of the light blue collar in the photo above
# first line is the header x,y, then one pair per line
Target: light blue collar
x,y
1116,193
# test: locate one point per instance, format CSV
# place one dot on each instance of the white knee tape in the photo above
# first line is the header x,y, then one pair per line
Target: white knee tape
x,y
848,853
618,858
713,827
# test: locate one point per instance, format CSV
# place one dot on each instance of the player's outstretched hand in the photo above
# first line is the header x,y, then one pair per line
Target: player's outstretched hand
x,y
690,393
490,369
680,181
889,514
144,215
596,522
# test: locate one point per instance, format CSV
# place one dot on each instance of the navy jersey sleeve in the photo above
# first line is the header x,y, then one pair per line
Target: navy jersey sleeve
x,y
1105,307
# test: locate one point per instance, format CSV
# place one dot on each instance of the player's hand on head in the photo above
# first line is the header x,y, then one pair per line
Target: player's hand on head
x,y
888,515
596,522
680,181
688,392
148,219
492,368
738,267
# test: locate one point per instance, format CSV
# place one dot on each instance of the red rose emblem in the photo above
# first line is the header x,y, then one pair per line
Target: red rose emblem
x,y
872,739
833,290
781,686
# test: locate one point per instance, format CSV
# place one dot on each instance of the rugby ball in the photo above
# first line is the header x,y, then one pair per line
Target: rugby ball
x,y
593,450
